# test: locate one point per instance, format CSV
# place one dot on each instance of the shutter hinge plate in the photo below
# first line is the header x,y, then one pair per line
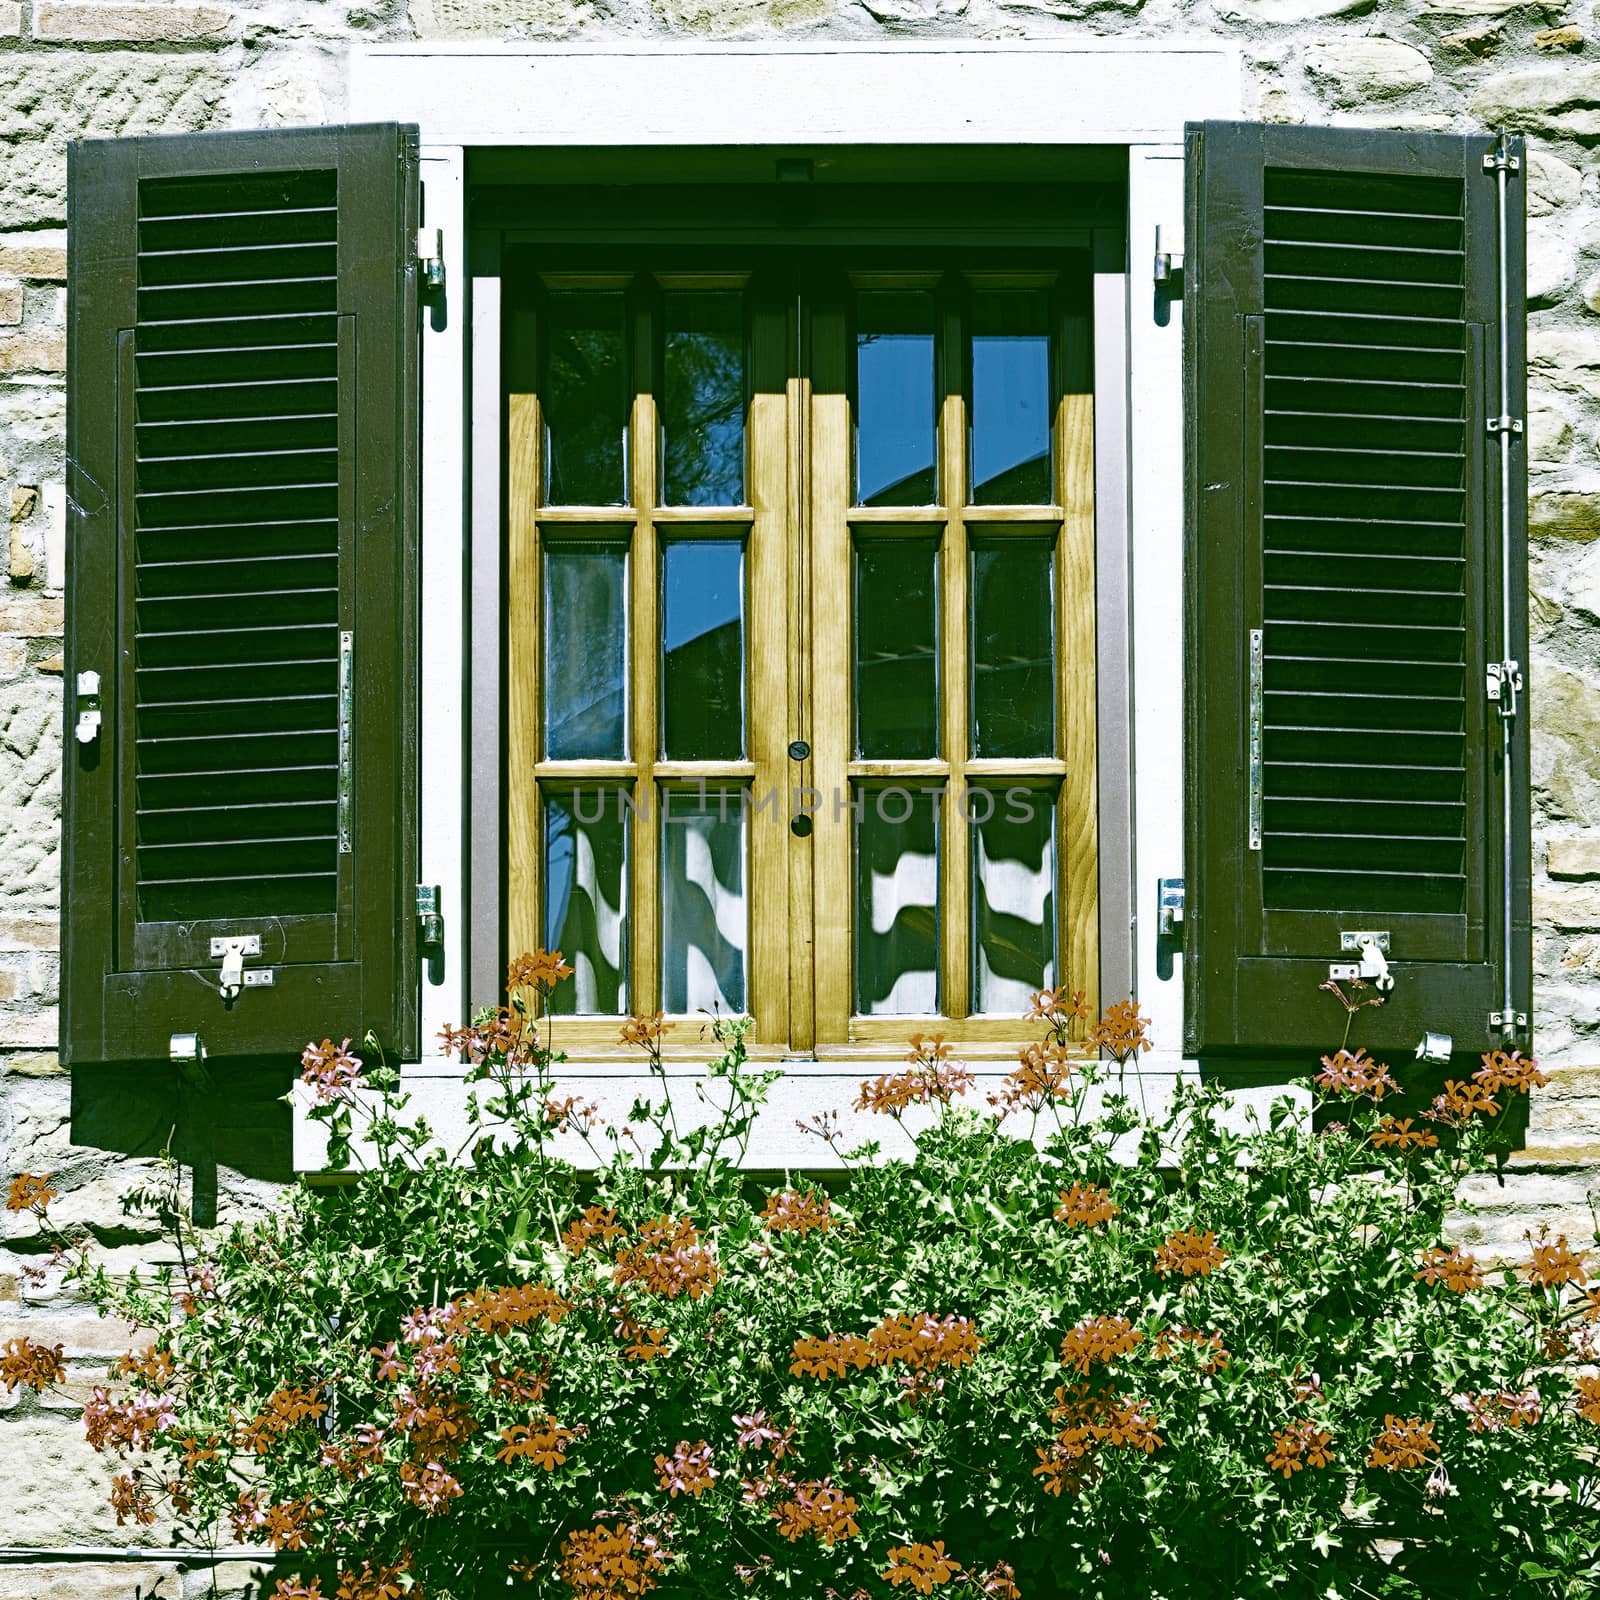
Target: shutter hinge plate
x,y
1500,160
1502,684
430,920
1499,425
1169,907
1508,1020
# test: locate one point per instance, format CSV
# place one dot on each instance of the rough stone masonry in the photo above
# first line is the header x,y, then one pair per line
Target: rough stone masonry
x,y
103,67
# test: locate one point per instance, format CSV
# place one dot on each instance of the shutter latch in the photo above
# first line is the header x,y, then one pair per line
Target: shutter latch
x,y
1370,948
430,259
233,977
1504,681
87,728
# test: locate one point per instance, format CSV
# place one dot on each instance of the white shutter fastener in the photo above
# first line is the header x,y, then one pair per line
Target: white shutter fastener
x,y
430,258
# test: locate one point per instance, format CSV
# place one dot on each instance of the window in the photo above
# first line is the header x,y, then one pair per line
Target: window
x,y
801,635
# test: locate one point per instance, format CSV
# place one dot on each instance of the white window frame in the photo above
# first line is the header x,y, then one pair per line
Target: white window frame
x,y
1038,93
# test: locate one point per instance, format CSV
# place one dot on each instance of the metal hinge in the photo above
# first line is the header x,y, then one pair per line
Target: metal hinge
x,y
87,728
430,920
430,258
1503,425
1503,682
1500,160
1168,272
1169,907
1508,1020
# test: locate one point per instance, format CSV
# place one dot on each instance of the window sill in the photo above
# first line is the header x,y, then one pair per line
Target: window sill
x,y
778,1144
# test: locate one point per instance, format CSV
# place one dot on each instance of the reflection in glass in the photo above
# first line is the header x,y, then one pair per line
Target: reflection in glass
x,y
702,406
1013,897
895,398
1013,655
1011,397
585,870
702,679
897,662
897,903
585,651
585,398
704,921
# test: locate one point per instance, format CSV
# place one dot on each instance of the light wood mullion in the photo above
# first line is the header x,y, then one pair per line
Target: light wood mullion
x,y
832,730
955,919
524,867
1078,853
767,657
644,632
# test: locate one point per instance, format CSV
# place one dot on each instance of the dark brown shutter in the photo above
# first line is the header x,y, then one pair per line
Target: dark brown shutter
x,y
242,578
1342,315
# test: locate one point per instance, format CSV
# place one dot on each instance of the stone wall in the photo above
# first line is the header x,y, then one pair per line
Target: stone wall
x,y
104,67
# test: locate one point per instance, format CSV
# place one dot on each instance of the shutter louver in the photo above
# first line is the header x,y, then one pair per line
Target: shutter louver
x,y
242,577
1344,557
236,570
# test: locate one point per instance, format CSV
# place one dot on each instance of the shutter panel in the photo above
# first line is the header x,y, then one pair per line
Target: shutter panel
x,y
241,425
1345,557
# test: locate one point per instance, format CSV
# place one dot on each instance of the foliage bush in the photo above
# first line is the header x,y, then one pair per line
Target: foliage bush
x,y
1160,1355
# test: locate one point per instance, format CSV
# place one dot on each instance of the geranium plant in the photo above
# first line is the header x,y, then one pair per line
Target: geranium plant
x,y
1062,1345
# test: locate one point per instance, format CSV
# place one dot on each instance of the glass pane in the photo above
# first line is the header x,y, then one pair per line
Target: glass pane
x,y
895,399
585,398
897,661
585,873
702,679
702,407
585,651
1013,897
897,903
704,921
1013,648
1011,398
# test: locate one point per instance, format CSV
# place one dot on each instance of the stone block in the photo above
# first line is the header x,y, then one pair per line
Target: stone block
x,y
1549,432
57,1490
1583,584
32,1064
1291,13
1591,292
91,1580
1355,70
10,303
31,615
33,352
1551,182
1567,906
1569,37
461,19
34,410
48,97
106,21
738,16
34,255
13,659
1575,857
1476,42
1564,514
1566,735
20,931
1552,262
1563,101
10,19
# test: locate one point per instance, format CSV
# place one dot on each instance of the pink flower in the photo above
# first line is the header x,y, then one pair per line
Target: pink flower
x,y
754,1432
329,1068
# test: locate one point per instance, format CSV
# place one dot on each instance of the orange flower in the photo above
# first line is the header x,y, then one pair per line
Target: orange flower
x,y
1129,1426
1461,1102
1057,1007
1398,1132
1044,1075
1456,1269
999,1582
831,1357
1085,1206
610,1563
931,1078
34,1366
669,1260
285,1590
1587,1399
131,1500
1554,1264
1405,1442
644,1344
329,1069
924,1566
544,1444
284,1411
1190,1252
924,1342
646,1031
1301,1444
1121,1032
498,1311
1353,1073
1100,1339
798,1211
825,1513
520,1384
30,1193
1210,1345
537,969
1502,1071
380,1583
928,1052
687,1470
290,1526
596,1223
